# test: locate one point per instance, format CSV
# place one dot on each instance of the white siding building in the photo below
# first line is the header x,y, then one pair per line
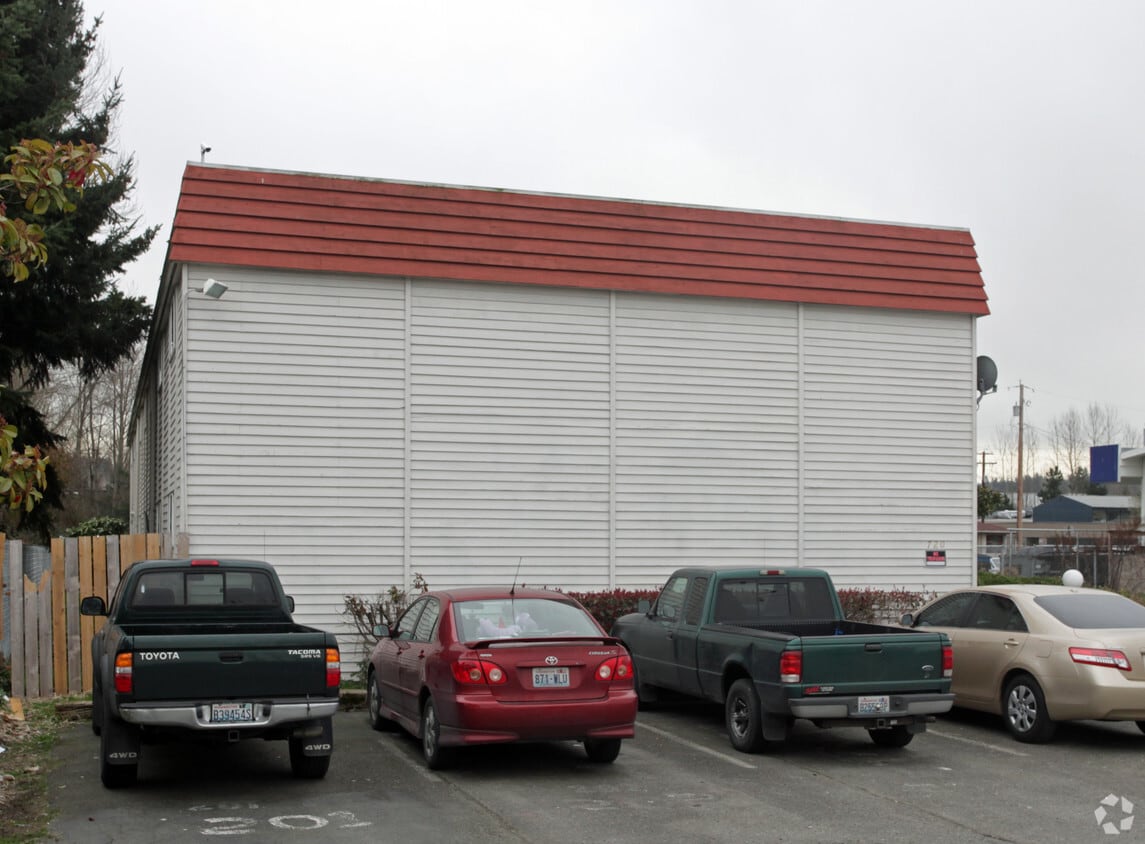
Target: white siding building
x,y
481,385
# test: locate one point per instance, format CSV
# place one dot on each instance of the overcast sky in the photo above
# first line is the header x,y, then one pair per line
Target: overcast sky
x,y
1020,121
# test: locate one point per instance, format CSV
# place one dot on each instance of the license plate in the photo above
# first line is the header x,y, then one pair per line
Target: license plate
x,y
550,678
874,704
231,713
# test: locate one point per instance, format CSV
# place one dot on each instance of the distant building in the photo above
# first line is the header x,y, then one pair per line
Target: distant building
x,y
1087,508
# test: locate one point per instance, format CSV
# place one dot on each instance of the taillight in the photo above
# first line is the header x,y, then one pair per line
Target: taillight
x,y
478,672
947,660
1099,656
791,667
123,679
333,668
617,668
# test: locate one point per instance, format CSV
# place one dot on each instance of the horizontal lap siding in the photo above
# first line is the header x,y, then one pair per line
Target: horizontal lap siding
x,y
163,514
509,435
295,433
706,431
888,423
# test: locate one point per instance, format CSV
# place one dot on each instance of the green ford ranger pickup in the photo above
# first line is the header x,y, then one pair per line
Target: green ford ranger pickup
x,y
772,645
207,650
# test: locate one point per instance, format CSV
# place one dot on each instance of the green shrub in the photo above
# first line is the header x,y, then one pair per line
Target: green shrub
x,y
99,526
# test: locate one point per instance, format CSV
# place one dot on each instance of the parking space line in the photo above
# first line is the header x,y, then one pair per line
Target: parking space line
x,y
691,744
415,765
987,745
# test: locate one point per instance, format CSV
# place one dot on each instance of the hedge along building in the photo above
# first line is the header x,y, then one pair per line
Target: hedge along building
x,y
488,386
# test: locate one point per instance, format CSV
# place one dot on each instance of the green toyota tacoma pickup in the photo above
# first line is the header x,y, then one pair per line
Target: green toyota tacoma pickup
x,y
772,645
207,650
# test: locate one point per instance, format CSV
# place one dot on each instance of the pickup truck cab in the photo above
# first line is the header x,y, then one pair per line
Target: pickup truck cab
x,y
207,649
772,645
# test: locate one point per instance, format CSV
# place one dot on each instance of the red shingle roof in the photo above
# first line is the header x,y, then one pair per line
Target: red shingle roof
x,y
299,221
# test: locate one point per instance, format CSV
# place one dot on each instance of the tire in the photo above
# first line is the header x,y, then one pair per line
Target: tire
x,y
897,736
114,776
374,705
602,751
436,757
743,717
1024,710
306,767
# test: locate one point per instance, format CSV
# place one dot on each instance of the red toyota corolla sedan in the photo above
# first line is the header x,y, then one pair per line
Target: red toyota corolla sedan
x,y
483,665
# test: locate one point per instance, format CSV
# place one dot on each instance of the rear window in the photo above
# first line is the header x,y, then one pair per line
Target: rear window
x,y
202,589
511,617
1093,611
752,600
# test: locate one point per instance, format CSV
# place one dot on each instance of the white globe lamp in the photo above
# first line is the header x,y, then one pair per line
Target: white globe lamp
x,y
1072,577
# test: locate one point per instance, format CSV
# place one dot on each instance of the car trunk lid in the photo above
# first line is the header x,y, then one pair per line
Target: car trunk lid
x,y
554,670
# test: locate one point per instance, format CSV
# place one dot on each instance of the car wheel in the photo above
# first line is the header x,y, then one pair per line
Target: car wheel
x,y
743,717
897,736
115,776
1024,708
306,767
374,704
602,750
436,756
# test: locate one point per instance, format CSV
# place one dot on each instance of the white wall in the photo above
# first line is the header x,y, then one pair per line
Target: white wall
x,y
354,430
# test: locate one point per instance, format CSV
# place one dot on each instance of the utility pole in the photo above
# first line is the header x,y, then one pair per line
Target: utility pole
x,y
1020,412
984,453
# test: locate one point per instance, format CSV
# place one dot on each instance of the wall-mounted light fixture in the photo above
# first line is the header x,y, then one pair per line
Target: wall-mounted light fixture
x,y
214,289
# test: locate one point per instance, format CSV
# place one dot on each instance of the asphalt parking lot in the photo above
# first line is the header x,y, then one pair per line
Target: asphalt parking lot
x,y
965,780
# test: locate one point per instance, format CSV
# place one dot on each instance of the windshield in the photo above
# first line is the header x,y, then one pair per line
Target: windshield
x,y
1093,611
503,618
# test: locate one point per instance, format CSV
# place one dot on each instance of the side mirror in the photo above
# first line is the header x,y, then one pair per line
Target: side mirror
x,y
383,632
290,603
644,606
907,619
93,605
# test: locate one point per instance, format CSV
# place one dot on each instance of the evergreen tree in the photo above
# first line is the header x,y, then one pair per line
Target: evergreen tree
x,y
69,311
1053,484
991,501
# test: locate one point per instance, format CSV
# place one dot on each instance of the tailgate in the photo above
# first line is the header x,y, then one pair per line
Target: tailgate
x,y
870,663
230,665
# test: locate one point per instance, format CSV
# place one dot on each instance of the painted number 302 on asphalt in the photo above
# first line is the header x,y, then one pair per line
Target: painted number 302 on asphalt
x,y
243,826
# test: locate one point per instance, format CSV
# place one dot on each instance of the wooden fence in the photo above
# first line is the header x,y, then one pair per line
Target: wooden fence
x,y
49,641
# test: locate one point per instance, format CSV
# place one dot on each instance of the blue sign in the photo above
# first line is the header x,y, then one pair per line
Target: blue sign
x,y
1105,464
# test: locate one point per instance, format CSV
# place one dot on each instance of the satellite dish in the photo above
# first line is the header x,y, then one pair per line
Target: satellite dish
x,y
987,375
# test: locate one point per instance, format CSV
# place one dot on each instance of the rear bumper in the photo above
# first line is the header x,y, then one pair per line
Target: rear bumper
x,y
902,708
479,719
196,715
1099,694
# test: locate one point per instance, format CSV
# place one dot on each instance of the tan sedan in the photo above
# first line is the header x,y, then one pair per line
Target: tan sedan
x,y
1040,654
